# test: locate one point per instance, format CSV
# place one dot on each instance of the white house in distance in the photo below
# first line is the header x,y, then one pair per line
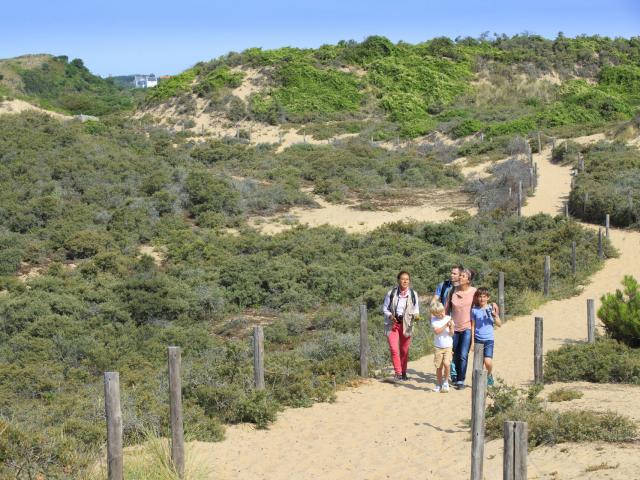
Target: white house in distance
x,y
145,81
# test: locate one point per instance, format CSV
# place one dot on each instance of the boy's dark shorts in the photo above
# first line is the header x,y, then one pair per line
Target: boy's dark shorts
x,y
488,347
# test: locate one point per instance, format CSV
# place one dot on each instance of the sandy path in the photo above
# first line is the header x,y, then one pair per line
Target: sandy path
x,y
380,431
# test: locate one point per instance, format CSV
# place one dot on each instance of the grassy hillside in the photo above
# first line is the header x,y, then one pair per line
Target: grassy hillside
x,y
59,84
502,86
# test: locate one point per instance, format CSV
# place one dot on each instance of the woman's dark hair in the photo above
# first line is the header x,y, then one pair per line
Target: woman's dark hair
x,y
403,272
470,273
476,296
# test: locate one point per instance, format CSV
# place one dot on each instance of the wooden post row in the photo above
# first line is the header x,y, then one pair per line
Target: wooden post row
x,y
514,460
258,356
503,315
113,415
547,275
175,410
364,342
538,376
479,394
591,320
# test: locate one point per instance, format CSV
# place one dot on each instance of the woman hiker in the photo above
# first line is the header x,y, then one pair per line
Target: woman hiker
x,y
459,307
400,309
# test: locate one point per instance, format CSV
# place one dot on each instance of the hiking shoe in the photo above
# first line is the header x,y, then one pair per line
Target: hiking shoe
x,y
459,385
445,388
404,376
437,389
490,380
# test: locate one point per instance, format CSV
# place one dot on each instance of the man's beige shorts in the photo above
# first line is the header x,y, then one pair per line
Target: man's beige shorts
x,y
442,356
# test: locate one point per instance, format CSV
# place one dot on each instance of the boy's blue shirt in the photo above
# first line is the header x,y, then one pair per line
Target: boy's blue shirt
x,y
483,323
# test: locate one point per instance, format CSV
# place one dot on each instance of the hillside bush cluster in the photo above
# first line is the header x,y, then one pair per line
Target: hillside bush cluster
x,y
69,86
609,184
415,89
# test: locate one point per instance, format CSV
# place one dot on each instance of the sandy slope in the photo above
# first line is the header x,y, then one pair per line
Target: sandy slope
x,y
380,431
18,106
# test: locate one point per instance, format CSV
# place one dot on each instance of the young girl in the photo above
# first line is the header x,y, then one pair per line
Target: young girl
x,y
485,317
443,329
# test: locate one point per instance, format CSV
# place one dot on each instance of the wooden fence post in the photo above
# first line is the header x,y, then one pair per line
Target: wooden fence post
x,y
535,174
514,459
573,258
600,246
580,162
520,198
531,177
539,143
258,356
113,415
538,375
607,219
479,394
584,204
503,314
591,320
175,410
547,275
478,356
364,343
566,209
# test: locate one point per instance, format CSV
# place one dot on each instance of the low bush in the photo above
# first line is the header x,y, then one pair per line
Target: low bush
x,y
605,361
549,427
564,395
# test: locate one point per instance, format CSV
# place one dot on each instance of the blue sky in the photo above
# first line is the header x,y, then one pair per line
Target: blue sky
x,y
117,37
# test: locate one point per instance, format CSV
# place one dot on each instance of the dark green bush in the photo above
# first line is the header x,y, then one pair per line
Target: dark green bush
x,y
620,313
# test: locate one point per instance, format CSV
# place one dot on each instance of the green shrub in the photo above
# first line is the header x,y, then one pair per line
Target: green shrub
x,y
548,427
605,361
620,313
564,395
467,127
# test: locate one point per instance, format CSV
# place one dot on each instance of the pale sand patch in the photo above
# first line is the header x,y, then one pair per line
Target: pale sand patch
x,y
19,106
253,82
437,209
382,431
587,139
159,254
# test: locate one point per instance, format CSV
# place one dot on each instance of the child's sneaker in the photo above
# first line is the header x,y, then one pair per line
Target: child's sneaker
x,y
490,380
437,389
445,388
